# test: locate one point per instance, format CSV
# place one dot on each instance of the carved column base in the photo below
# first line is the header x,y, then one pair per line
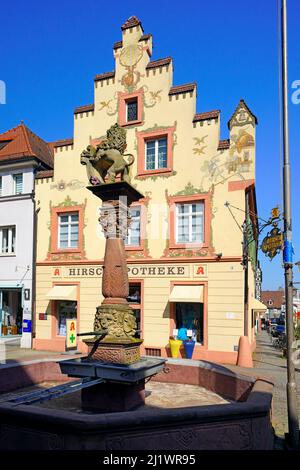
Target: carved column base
x,y
114,351
119,346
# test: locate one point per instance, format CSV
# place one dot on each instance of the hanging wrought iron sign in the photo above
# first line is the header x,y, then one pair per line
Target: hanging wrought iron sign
x,y
272,243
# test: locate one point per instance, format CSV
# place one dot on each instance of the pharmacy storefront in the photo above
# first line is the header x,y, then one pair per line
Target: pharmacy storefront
x,y
164,297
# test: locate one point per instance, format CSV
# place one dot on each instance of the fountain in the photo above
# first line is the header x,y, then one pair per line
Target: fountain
x,y
114,353
111,413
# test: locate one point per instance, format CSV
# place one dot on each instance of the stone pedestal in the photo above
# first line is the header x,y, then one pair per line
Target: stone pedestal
x,y
115,315
113,397
113,352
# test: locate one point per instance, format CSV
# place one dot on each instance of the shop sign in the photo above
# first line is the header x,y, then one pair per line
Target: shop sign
x,y
272,243
139,271
200,270
71,334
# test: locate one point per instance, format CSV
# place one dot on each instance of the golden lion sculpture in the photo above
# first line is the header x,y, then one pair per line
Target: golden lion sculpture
x,y
106,161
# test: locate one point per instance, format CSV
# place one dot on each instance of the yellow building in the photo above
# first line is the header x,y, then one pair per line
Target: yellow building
x,y
187,267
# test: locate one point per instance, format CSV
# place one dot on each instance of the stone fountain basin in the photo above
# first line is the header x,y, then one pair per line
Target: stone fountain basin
x,y
82,367
242,424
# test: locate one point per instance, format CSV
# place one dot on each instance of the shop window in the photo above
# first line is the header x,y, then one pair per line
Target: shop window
x,y
12,312
135,301
7,240
18,183
190,317
66,309
190,222
134,231
68,230
132,110
156,154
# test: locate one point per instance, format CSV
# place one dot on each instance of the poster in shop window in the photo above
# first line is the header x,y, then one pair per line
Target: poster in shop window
x,y
71,334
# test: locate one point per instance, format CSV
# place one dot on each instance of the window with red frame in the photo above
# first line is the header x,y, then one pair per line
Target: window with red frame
x,y
132,110
189,226
156,153
68,230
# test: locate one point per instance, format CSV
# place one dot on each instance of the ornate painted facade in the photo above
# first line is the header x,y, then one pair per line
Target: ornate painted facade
x,y
180,165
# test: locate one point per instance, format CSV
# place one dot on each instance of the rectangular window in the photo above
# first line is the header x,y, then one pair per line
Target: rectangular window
x,y
156,154
135,301
190,222
68,230
134,232
18,183
132,110
7,240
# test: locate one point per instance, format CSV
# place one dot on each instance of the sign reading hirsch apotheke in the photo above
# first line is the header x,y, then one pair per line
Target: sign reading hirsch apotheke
x,y
134,271
272,243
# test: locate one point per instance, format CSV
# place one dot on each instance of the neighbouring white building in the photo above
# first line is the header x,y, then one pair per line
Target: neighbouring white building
x,y
22,154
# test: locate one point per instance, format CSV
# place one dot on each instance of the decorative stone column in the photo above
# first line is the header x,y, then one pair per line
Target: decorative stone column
x,y
114,314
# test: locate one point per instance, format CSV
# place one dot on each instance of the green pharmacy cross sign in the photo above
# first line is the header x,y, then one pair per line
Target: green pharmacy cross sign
x,y
72,338
272,244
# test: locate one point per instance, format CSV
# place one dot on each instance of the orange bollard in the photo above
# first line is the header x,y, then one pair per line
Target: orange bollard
x,y
245,354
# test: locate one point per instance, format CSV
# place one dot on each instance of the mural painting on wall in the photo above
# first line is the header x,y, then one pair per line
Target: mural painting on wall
x,y
111,106
216,171
73,184
239,155
129,58
200,146
151,98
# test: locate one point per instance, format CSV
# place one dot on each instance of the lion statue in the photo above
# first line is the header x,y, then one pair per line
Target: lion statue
x,y
106,161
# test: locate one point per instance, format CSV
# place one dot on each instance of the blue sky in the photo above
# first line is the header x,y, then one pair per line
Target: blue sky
x,y
51,50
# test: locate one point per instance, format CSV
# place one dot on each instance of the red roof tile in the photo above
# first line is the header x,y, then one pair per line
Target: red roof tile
x,y
44,174
175,90
119,44
208,115
20,142
62,143
224,144
84,109
159,63
104,76
131,23
275,296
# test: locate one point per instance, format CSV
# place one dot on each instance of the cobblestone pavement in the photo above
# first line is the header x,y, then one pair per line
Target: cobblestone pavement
x,y
269,362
